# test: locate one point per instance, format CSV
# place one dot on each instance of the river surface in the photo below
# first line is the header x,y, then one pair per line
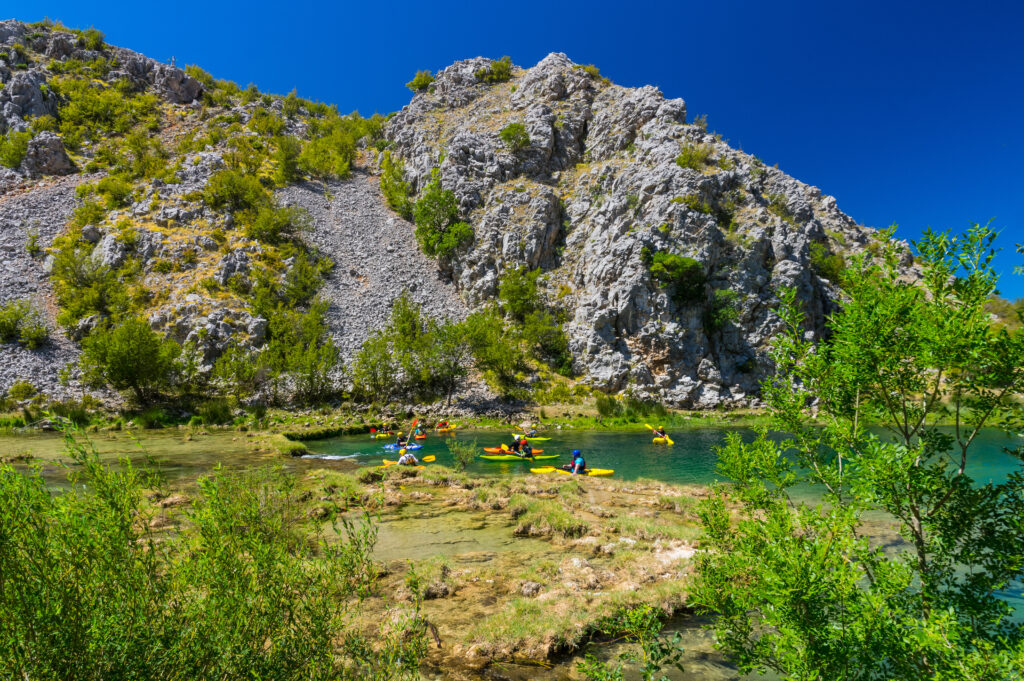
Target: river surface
x,y
182,456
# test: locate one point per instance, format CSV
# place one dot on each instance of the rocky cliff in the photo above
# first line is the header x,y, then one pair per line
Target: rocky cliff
x,y
610,176
608,183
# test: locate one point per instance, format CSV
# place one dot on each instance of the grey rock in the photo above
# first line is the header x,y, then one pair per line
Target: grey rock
x,y
110,252
46,156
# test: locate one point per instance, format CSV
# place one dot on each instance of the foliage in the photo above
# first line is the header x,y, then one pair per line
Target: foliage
x,y
498,71
542,332
825,263
517,292
821,597
435,215
130,357
694,156
683,276
116,191
328,156
84,286
514,137
199,74
86,584
214,412
489,341
721,310
13,147
92,39
421,81
89,110
286,160
235,192
464,453
592,71
20,323
652,651
393,185
273,225
88,213
779,205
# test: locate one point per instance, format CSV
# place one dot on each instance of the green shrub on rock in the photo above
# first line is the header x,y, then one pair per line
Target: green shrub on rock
x,y
498,71
393,185
235,191
274,225
13,147
694,156
825,263
130,357
435,215
514,137
683,276
421,81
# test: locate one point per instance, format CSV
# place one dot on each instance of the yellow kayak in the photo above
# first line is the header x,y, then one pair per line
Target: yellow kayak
x,y
661,441
592,472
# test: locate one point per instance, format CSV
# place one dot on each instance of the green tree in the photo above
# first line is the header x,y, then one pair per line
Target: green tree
x,y
435,215
130,357
684,277
374,370
517,292
805,589
286,160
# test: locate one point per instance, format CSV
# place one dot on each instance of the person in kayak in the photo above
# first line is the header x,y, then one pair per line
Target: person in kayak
x,y
442,425
517,444
418,431
578,465
660,432
400,440
531,432
407,458
525,449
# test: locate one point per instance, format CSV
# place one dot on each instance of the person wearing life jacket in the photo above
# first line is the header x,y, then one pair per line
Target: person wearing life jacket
x,y
400,440
442,425
660,432
578,465
407,458
517,444
525,449
418,431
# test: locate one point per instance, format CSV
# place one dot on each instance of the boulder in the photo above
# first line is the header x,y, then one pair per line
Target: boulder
x,y
46,156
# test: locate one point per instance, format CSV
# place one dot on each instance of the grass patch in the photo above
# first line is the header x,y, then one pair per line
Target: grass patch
x,y
541,517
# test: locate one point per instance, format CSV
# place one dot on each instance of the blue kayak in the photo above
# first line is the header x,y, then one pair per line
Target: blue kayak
x,y
394,446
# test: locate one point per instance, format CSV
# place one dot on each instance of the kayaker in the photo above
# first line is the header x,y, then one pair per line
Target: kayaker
x,y
532,432
517,444
418,431
578,465
407,458
660,432
401,441
442,425
525,449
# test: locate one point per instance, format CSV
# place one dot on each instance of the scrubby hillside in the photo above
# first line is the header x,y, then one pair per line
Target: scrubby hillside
x,y
664,247
169,234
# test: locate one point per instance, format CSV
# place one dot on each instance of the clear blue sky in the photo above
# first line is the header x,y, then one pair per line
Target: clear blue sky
x,y
909,113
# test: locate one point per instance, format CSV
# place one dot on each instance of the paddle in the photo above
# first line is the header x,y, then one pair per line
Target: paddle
x,y
668,440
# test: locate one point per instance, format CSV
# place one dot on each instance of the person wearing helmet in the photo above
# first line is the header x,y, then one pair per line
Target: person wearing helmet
x,y
517,443
660,432
401,440
525,449
578,464
407,458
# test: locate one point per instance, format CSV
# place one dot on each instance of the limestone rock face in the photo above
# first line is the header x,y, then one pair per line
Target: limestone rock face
x,y
595,194
46,156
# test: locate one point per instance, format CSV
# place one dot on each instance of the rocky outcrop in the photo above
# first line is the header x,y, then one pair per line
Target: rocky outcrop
x,y
596,192
46,156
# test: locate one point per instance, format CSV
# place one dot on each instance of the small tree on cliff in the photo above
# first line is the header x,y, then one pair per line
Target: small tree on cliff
x,y
805,590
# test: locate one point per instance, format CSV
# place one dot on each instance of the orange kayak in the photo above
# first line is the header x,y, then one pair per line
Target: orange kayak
x,y
499,450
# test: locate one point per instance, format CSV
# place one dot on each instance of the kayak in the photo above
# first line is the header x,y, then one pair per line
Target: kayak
x,y
659,441
374,436
449,429
394,446
513,457
592,472
499,450
538,439
420,437
395,463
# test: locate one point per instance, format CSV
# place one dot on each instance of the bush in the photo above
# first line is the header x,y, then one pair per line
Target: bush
x,y
21,390
333,148
517,292
89,213
84,286
92,39
826,264
20,323
779,205
214,412
498,71
90,110
130,357
273,225
117,192
514,137
592,71
694,156
248,573
722,310
393,185
607,406
435,213
544,336
683,276
286,160
375,370
13,147
199,74
235,191
421,81
488,339
464,453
